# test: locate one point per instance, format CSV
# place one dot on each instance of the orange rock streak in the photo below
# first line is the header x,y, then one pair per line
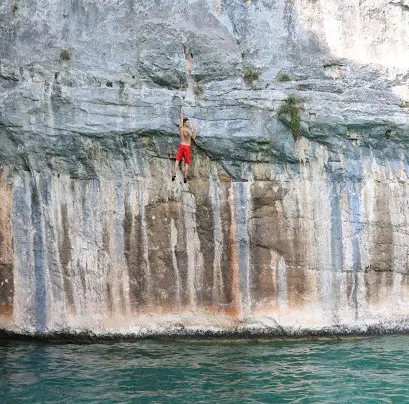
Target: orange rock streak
x,y
6,252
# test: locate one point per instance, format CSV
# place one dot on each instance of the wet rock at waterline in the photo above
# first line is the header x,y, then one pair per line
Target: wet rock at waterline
x,y
296,214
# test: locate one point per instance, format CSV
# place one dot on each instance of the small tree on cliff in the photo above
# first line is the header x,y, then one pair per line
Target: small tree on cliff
x,y
289,113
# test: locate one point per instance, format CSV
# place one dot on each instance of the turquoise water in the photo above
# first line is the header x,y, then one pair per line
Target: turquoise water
x,y
369,370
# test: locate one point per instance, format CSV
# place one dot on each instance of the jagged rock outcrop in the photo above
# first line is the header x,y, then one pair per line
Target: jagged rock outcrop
x,y
276,232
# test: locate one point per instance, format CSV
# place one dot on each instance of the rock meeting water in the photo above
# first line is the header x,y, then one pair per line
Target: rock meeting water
x,y
338,371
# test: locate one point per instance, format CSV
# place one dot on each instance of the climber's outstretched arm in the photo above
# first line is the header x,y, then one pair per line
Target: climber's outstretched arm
x,y
181,118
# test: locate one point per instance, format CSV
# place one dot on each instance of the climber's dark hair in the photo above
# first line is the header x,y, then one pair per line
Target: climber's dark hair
x,y
185,120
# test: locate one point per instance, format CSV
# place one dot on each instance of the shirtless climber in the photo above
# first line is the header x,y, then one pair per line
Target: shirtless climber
x,y
186,134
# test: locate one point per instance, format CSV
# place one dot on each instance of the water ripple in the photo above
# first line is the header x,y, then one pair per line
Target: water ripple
x,y
329,371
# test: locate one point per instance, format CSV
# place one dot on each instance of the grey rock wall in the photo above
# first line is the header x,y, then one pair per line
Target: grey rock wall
x,y
274,233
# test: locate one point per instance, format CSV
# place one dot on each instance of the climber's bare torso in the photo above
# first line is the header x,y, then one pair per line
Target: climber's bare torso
x,y
185,136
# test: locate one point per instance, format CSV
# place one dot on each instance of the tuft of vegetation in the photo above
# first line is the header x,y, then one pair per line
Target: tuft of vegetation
x,y
250,76
14,7
404,104
65,54
304,87
198,90
289,111
282,77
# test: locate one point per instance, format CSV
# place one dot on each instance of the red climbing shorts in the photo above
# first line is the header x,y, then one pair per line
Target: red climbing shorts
x,y
183,152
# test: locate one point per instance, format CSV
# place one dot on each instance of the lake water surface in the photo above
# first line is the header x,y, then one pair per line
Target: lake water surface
x,y
368,370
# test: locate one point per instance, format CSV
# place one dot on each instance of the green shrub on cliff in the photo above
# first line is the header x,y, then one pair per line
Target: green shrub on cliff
x,y
65,54
14,7
250,76
289,112
198,90
283,77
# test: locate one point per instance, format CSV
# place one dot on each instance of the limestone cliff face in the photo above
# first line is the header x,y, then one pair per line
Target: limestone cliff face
x,y
275,232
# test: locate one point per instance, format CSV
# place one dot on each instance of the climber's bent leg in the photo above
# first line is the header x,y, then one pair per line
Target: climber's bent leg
x,y
186,170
